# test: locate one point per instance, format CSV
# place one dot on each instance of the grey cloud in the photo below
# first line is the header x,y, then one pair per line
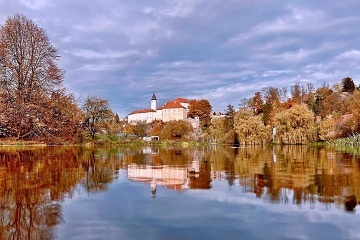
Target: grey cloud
x,y
219,50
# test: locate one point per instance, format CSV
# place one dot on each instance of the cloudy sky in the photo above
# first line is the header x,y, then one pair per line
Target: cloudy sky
x,y
219,50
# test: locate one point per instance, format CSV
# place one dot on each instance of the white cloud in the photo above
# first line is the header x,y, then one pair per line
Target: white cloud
x,y
91,54
223,51
35,4
353,55
295,19
180,8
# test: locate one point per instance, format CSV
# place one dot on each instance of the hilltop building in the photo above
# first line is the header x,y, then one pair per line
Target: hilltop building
x,y
176,109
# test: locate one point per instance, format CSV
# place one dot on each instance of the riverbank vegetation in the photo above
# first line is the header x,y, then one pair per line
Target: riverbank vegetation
x,y
36,108
306,115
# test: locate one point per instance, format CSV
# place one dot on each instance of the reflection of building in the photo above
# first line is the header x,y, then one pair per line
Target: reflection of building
x,y
170,177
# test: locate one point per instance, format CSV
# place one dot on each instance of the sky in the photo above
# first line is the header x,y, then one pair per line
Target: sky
x,y
219,50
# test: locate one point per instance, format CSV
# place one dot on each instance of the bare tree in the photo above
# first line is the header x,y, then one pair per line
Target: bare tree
x,y
97,113
28,73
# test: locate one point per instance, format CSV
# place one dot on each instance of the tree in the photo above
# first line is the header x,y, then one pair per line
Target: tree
x,y
320,96
33,100
295,125
156,127
175,130
230,111
230,114
296,93
219,128
97,113
250,128
348,85
327,129
271,96
272,104
141,129
244,103
355,109
202,109
256,103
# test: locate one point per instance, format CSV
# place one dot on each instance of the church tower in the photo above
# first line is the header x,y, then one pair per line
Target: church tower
x,y
153,102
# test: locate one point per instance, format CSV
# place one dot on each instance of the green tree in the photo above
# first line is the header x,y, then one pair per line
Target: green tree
x,y
348,85
230,114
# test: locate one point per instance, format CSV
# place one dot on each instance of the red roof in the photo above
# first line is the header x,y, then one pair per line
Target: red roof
x,y
183,100
172,104
175,103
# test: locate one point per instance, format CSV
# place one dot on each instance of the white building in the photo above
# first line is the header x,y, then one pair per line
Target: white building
x,y
176,109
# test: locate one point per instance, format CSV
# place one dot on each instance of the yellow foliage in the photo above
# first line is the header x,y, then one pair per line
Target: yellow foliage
x,y
355,108
327,129
250,128
295,125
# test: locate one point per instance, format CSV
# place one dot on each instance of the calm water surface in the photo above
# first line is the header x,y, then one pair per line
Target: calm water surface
x,y
291,192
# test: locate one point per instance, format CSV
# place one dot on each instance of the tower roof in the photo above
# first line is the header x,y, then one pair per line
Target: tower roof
x,y
153,97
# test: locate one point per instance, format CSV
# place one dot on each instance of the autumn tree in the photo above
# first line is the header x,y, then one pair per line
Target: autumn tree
x,y
141,129
295,125
97,113
219,128
297,93
31,83
336,103
156,127
202,109
355,110
320,96
272,99
250,129
256,103
327,129
60,119
175,130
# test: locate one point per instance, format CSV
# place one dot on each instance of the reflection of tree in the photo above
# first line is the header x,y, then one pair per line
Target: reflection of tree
x,y
280,174
35,181
305,174
32,185
101,169
202,179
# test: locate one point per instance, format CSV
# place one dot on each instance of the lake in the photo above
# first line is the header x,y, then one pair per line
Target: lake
x,y
204,192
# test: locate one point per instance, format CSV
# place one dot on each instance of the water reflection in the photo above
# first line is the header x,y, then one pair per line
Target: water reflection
x,y
34,182
281,174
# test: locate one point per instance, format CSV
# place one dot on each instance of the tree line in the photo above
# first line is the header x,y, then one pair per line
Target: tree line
x,y
299,116
34,104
